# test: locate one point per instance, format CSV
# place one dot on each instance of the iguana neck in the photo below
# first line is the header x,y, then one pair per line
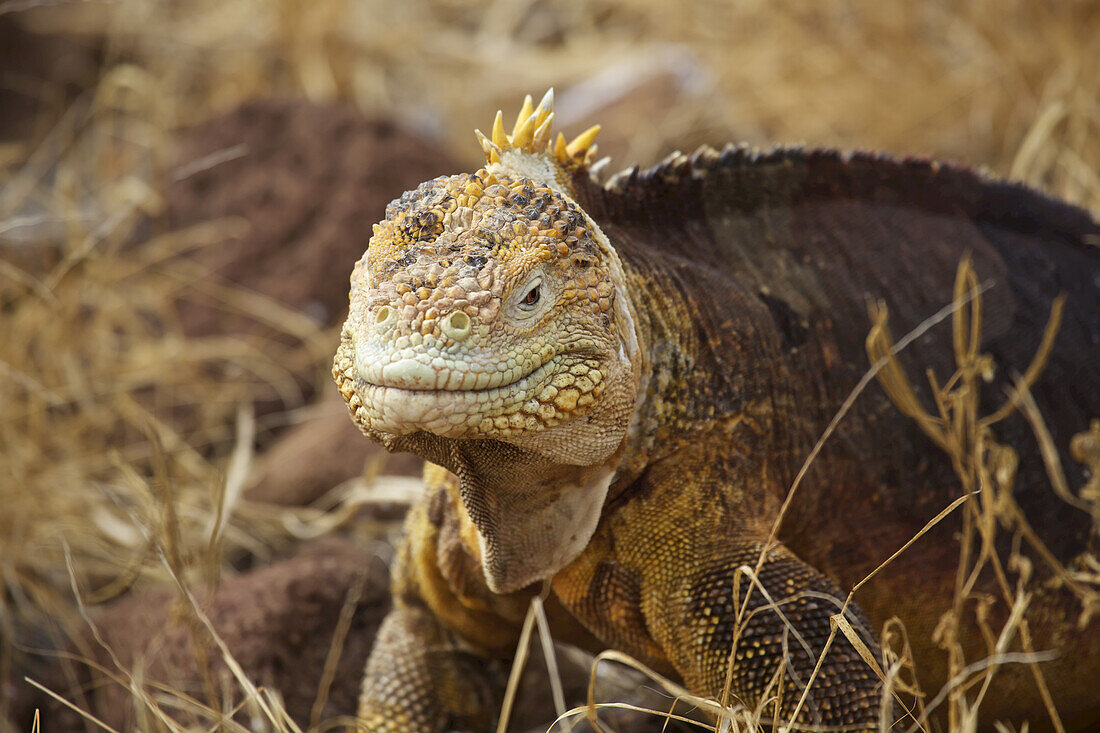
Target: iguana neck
x,y
678,404
661,351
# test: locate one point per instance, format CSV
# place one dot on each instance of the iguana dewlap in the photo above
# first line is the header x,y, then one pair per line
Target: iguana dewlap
x,y
616,384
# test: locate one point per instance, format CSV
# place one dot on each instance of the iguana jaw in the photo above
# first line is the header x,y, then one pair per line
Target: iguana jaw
x,y
452,413
402,396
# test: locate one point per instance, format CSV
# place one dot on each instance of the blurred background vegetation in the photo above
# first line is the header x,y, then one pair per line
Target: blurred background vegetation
x,y
1011,84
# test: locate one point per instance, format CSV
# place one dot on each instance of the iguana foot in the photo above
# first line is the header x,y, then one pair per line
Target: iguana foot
x,y
421,679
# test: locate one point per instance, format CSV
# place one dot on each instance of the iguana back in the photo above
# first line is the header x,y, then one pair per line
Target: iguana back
x,y
776,258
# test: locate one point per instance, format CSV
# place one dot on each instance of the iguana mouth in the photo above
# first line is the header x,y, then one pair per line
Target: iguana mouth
x,y
415,375
409,400
413,379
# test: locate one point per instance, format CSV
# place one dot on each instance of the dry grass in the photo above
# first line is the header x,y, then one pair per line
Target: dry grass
x,y
986,470
92,357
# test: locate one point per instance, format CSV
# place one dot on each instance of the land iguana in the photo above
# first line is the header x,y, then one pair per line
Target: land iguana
x,y
615,384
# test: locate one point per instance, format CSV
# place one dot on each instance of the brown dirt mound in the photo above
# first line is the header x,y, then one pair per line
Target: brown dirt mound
x,y
321,452
310,181
278,623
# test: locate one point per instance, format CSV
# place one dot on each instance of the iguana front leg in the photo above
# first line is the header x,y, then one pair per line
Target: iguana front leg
x,y
659,582
775,637
421,679
439,661
679,610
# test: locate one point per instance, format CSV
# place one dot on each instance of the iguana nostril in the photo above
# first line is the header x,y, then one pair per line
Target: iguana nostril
x,y
457,325
384,317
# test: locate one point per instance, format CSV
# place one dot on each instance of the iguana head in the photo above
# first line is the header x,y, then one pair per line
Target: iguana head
x,y
489,322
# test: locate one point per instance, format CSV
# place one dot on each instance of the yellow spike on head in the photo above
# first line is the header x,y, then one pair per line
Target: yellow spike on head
x,y
582,142
542,134
524,113
499,137
561,151
546,107
521,138
533,133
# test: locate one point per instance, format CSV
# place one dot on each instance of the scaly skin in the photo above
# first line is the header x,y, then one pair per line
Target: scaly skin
x,y
614,387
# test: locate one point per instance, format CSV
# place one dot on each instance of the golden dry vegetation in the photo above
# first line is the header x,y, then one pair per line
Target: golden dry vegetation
x,y
100,493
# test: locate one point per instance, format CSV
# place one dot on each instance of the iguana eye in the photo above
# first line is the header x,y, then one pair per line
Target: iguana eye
x,y
531,298
528,302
